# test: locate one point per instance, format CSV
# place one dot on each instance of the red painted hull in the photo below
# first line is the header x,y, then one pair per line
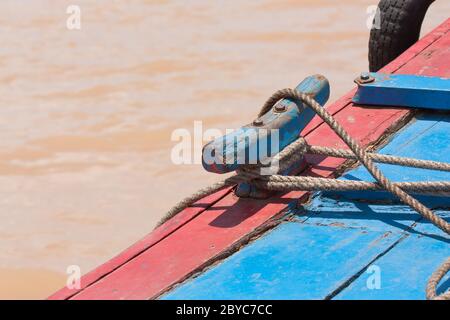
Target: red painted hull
x,y
221,223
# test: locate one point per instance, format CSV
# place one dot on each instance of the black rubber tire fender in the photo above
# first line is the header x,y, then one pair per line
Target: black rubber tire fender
x,y
398,28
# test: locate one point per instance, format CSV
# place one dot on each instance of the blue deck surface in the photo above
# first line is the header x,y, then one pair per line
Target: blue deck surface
x,y
325,252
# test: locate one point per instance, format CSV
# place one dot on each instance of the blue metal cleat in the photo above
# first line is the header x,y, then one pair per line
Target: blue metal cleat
x,y
403,90
258,142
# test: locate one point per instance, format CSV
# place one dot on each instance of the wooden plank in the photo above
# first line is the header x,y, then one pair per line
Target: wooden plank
x,y
420,130
297,261
333,240
225,224
405,270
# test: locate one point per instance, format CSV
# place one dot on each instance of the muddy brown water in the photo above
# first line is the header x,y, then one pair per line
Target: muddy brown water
x,y
86,115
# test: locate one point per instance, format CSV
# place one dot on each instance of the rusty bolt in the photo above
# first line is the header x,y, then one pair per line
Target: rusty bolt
x,y
364,77
258,122
280,108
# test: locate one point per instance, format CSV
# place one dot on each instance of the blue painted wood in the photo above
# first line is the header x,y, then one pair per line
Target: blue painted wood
x,y
405,90
426,138
325,250
298,261
253,144
405,269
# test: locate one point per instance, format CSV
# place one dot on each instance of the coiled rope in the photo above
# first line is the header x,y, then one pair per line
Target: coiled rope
x,y
296,150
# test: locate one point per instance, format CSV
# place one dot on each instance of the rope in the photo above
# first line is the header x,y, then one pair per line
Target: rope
x,y
296,150
381,158
434,280
283,183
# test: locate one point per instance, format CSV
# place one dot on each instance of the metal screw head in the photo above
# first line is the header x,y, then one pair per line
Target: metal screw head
x,y
258,122
365,76
280,108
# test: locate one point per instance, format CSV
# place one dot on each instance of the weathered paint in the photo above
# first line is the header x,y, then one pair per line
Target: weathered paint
x,y
406,268
410,91
254,144
142,245
298,261
332,241
163,258
431,133
289,125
